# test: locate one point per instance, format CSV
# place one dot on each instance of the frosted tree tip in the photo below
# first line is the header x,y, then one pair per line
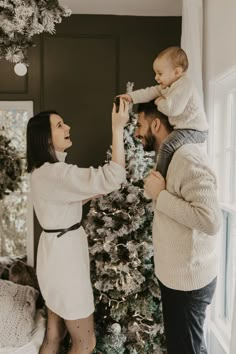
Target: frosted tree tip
x,y
129,86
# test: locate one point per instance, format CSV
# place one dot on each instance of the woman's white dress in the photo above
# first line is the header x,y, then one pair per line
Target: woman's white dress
x,y
63,263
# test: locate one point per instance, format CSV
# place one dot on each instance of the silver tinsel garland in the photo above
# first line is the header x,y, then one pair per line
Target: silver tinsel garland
x,y
20,20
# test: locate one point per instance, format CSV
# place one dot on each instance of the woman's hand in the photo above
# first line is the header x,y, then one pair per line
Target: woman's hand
x,y
120,118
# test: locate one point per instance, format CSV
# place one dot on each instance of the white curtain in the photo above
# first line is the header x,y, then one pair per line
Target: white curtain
x,y
191,39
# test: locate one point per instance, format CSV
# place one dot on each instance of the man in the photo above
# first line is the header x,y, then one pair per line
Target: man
x,y
186,220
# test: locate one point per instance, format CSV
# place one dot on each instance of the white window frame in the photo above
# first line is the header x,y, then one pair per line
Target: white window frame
x,y
222,123
26,106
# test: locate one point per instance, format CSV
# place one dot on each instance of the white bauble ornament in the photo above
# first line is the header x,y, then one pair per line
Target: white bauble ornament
x,y
116,328
20,69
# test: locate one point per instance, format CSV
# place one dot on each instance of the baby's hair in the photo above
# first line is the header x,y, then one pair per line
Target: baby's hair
x,y
176,55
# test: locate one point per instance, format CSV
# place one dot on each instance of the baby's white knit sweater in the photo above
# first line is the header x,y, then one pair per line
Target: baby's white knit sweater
x,y
186,219
182,103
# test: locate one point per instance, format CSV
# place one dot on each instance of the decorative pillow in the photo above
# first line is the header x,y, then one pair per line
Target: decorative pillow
x,y
17,304
18,271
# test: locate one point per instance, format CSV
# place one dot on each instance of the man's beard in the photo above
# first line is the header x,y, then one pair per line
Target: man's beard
x,y
150,142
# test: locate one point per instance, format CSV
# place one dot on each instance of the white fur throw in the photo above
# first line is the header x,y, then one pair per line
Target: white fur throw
x,y
17,304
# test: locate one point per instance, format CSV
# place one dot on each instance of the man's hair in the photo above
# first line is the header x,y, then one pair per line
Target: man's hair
x,y
151,112
40,148
177,57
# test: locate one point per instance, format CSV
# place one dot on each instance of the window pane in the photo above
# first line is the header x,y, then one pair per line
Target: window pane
x,y
230,266
13,227
233,138
223,137
14,223
222,147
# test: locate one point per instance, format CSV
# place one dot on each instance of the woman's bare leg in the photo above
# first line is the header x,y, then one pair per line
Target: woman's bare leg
x,y
55,332
82,335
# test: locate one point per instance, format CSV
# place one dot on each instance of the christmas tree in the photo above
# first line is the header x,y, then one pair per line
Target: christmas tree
x,y
128,313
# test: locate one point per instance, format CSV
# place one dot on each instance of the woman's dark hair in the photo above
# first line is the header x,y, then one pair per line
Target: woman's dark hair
x,y
151,112
39,141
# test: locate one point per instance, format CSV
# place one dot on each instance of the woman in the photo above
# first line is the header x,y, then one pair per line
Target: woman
x,y
58,192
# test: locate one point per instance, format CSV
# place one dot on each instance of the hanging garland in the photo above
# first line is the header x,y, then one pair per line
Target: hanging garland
x,y
20,20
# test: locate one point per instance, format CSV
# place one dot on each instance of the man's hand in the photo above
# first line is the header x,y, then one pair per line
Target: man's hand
x,y
154,184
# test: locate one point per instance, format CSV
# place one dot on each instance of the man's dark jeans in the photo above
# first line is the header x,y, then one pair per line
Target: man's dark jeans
x,y
184,314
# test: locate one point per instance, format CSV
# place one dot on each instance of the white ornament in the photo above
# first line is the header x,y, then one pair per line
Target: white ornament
x,y
20,69
107,247
116,328
131,198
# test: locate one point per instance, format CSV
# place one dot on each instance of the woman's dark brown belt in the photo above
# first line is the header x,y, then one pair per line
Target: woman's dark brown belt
x,y
63,231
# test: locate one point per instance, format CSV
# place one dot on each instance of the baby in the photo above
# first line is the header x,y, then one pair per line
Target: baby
x,y
175,96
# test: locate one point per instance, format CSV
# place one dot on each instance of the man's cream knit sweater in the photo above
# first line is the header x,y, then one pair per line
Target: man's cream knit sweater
x,y
186,220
